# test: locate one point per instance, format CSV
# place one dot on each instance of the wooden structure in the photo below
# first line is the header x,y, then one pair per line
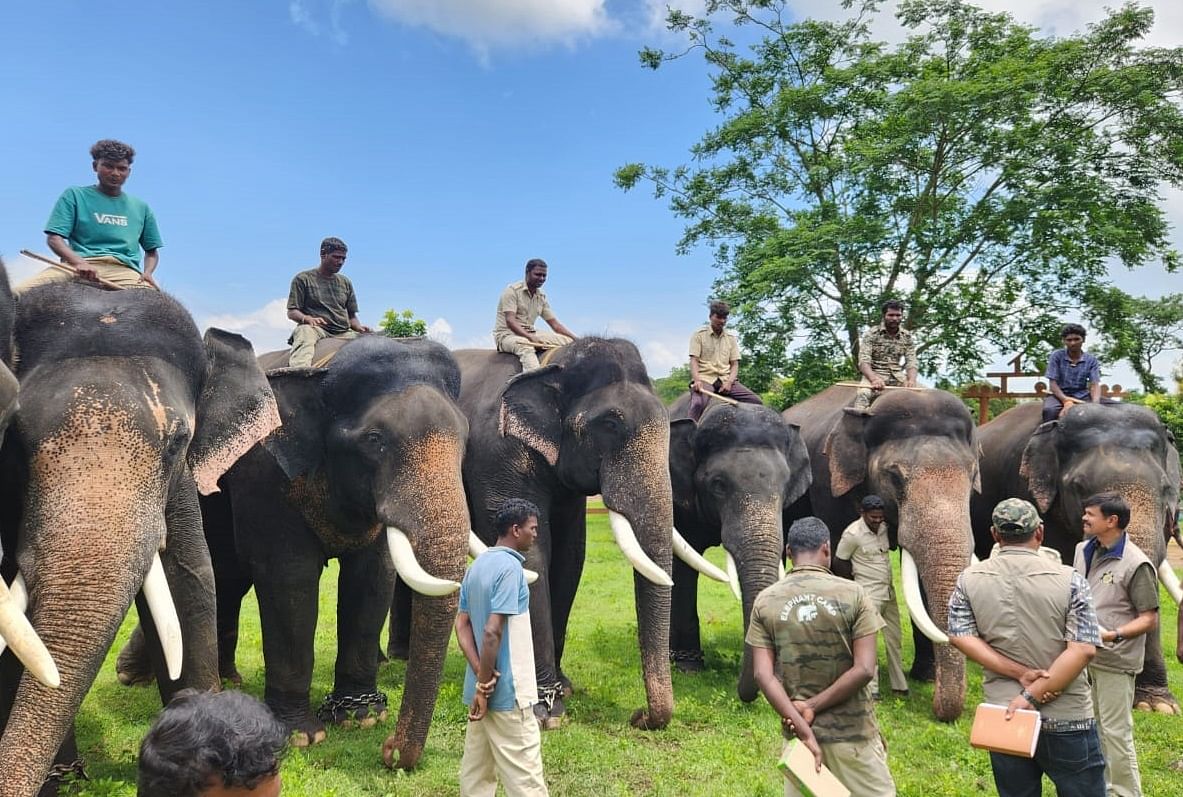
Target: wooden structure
x,y
984,392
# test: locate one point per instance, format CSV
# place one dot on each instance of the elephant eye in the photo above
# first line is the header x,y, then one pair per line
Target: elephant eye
x,y
374,437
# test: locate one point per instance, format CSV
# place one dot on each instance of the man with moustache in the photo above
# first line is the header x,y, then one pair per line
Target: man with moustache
x,y
322,302
521,304
886,357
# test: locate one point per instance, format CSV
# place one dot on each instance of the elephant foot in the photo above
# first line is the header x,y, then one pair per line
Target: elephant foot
x,y
642,720
568,688
132,667
304,729
228,671
363,710
1157,699
398,649
550,709
688,660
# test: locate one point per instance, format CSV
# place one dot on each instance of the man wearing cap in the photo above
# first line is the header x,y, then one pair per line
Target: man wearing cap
x,y
886,356
1125,592
714,363
812,636
521,304
1030,623
864,543
322,302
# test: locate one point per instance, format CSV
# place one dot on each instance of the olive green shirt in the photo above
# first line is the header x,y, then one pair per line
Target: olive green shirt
x,y
885,352
715,353
332,299
527,309
810,620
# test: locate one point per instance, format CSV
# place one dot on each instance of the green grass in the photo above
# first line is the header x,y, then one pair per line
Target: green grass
x,y
715,745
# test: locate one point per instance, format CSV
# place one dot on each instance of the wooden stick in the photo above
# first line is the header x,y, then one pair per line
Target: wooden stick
x,y
885,387
719,397
111,286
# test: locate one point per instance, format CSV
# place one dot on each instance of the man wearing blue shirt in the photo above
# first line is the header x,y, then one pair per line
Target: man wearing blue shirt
x,y
502,741
1073,375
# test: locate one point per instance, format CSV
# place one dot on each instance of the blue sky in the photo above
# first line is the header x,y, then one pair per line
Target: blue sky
x,y
446,141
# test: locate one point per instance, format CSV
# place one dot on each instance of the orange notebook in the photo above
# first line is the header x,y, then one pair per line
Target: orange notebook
x,y
993,731
797,765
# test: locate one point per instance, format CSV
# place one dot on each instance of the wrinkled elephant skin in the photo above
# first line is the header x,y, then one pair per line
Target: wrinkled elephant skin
x,y
1091,449
125,412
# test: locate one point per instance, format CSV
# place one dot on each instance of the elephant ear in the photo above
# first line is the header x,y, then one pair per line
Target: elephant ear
x,y
797,457
298,446
683,462
1040,465
530,411
847,452
235,410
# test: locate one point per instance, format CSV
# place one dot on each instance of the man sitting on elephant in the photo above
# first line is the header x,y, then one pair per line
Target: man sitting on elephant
x,y
714,363
322,302
881,351
520,306
1073,375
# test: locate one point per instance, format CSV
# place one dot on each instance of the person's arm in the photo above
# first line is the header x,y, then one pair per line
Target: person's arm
x,y
849,682
466,641
911,365
732,374
558,327
1053,376
695,384
61,247
1095,383
300,317
511,321
486,667
1144,623
842,553
864,363
978,650
1060,675
151,260
763,667
358,326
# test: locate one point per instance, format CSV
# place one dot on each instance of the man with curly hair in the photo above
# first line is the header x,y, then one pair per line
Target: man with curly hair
x,y
207,744
99,230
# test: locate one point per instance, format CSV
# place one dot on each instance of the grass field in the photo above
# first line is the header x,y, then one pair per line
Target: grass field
x,y
715,744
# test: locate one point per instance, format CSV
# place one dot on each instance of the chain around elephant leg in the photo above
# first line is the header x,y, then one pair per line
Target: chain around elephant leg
x,y
364,710
549,709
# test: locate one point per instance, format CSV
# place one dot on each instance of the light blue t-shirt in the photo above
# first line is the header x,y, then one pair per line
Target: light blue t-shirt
x,y
98,225
496,584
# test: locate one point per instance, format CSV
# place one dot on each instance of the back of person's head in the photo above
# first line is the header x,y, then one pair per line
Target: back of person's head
x,y
1071,329
720,308
513,512
870,503
807,535
1015,520
1110,504
203,740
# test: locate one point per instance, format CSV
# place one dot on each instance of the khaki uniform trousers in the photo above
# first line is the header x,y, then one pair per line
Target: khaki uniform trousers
x,y
889,610
1113,700
108,268
860,766
505,746
304,343
524,348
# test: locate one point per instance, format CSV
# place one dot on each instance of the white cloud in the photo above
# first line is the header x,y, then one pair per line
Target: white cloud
x,y
661,357
488,25
303,14
267,328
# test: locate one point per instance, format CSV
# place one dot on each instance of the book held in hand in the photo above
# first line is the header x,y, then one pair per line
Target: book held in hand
x,y
993,731
797,765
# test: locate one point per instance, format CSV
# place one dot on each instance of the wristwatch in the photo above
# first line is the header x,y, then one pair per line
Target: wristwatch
x,y
1118,636
1030,698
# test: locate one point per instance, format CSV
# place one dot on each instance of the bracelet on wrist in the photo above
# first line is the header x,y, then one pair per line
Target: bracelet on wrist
x,y
1030,698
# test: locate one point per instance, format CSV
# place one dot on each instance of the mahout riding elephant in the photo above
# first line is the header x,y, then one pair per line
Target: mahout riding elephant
x,y
1092,448
916,449
367,469
733,474
126,414
587,422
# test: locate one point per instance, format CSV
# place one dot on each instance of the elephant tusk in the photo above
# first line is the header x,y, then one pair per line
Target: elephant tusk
x,y
733,578
920,618
684,551
973,559
476,548
780,570
23,639
19,595
1166,574
164,616
626,538
409,569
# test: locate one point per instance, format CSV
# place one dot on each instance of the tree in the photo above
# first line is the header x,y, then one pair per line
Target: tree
x,y
402,325
670,387
1136,329
982,173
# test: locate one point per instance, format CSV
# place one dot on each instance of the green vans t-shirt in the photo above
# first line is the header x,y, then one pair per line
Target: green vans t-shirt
x,y
98,225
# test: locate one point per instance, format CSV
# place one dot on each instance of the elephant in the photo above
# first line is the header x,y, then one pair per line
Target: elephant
x,y
128,413
587,422
1091,448
916,449
366,468
733,474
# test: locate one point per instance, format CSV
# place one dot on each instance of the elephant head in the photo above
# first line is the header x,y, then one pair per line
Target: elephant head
x,y
918,452
374,445
733,475
126,413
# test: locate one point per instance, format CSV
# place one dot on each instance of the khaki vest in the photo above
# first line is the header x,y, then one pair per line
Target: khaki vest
x,y
1020,602
1109,579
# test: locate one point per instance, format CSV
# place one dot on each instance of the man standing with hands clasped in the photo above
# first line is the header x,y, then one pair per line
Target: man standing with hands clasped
x,y
493,629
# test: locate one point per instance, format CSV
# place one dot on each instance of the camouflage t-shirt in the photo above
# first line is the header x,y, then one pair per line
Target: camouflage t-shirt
x,y
810,620
890,356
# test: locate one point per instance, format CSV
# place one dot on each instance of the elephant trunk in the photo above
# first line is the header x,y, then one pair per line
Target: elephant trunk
x,y
934,528
636,484
754,537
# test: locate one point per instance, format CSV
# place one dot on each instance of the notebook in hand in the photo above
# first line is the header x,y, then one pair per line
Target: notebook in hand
x,y
993,731
797,765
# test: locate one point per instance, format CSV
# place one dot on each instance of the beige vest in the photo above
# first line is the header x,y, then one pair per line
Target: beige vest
x,y
1020,601
1109,579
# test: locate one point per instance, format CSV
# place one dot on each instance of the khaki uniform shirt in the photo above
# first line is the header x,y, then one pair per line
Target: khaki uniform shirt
x,y
332,299
886,353
526,308
1124,585
868,554
715,353
810,620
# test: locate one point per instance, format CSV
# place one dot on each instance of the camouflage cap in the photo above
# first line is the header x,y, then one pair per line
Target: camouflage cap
x,y
1015,517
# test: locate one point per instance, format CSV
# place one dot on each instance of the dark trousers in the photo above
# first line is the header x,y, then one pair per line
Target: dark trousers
x,y
699,401
1071,760
1052,407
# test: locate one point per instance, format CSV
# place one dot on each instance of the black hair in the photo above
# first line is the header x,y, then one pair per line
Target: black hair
x,y
1072,329
331,244
720,308
1111,504
892,304
513,512
872,502
206,738
111,150
535,262
807,535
